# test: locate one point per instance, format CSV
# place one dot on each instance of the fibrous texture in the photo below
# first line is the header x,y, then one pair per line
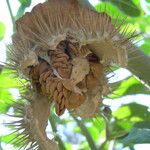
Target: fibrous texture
x,y
55,47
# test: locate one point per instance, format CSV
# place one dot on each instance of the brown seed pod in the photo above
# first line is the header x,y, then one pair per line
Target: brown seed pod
x,y
32,124
56,48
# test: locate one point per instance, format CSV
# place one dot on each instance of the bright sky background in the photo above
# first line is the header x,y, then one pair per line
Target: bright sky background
x,y
121,74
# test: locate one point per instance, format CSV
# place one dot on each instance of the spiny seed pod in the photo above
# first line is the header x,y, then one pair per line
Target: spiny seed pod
x,y
32,122
64,49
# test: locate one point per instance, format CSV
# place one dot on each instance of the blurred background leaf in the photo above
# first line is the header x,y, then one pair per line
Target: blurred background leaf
x,y
2,30
25,3
22,8
139,134
127,7
129,86
146,46
130,122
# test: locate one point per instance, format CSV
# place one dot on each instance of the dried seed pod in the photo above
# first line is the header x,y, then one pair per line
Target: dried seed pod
x,y
74,100
90,107
29,115
56,47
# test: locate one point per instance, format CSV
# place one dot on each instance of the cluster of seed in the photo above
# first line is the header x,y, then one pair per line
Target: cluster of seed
x,y
52,86
50,82
60,60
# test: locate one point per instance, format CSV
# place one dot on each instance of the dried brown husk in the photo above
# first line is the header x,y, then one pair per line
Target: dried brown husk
x,y
43,30
55,47
30,128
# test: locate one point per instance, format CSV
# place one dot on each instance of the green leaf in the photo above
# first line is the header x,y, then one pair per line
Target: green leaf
x,y
5,100
129,86
127,7
99,123
94,132
8,138
25,3
108,8
7,80
146,46
133,112
84,146
139,134
2,30
126,116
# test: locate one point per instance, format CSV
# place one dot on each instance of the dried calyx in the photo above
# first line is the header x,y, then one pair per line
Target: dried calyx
x,y
56,47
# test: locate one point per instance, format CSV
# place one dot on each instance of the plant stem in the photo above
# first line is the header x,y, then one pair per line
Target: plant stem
x,y
139,65
106,143
86,133
53,125
11,14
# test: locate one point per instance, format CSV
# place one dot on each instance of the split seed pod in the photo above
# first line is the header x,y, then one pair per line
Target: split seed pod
x,y
64,48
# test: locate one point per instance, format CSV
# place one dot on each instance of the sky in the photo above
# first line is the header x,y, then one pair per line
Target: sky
x,y
119,74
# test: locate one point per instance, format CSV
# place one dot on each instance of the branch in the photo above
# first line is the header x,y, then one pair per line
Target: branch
x,y
139,65
53,125
11,14
86,133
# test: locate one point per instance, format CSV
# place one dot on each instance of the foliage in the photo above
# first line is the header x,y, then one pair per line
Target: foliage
x,y
22,8
140,133
2,30
129,124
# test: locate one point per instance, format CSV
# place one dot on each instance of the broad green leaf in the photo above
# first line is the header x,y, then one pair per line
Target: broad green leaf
x,y
94,132
126,116
139,134
143,23
2,30
120,127
146,46
119,18
7,80
131,111
99,123
129,86
127,7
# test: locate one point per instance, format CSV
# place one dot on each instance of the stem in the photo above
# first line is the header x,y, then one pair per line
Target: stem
x,y
53,125
86,133
108,129
11,14
139,65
